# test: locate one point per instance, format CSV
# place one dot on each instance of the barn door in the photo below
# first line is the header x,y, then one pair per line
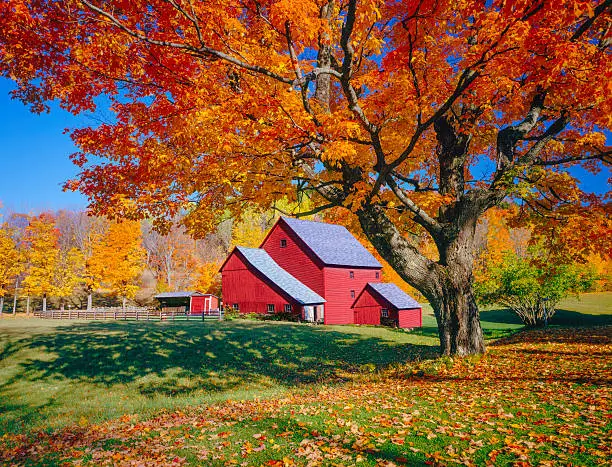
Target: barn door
x,y
207,304
309,313
319,313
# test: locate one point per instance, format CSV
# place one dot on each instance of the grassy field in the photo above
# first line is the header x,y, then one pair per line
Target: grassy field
x,y
56,374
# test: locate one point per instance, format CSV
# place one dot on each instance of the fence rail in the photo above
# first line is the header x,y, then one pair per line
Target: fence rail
x,y
128,314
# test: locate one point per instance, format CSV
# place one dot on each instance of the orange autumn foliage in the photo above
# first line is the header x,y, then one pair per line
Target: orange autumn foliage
x,y
224,111
118,259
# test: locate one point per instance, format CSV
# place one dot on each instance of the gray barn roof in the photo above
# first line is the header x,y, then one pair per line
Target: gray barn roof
x,y
332,243
261,261
394,295
185,294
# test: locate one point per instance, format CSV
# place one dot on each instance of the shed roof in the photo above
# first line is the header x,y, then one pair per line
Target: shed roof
x,y
184,294
333,244
262,262
394,295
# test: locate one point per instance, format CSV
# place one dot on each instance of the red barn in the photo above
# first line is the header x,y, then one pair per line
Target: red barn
x,y
387,304
325,257
313,269
254,283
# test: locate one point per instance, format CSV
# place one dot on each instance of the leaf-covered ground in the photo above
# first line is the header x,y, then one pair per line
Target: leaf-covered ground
x,y
537,398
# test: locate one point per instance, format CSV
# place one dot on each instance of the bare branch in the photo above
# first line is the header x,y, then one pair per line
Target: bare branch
x,y
605,157
554,129
420,216
316,210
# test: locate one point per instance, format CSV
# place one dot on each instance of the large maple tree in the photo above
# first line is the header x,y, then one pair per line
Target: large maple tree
x,y
410,114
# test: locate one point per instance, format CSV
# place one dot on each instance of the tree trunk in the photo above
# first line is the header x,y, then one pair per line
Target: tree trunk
x,y
1,306
458,321
124,300
28,306
447,283
15,302
44,305
62,304
89,301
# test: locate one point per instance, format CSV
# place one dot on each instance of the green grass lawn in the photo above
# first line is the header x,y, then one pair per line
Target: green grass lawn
x,y
54,373
59,373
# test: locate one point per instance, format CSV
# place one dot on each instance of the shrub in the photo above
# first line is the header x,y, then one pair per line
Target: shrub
x,y
532,289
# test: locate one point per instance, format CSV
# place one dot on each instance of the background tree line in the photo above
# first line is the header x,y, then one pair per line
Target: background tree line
x,y
69,258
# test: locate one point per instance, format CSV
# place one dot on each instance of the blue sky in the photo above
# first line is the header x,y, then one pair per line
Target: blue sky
x,y
34,158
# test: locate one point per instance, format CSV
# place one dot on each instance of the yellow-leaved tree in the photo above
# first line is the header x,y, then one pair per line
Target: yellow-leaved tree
x,y
118,260
41,240
68,273
208,279
10,262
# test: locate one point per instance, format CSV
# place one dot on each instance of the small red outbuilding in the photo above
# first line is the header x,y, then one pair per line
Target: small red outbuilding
x,y
194,303
386,303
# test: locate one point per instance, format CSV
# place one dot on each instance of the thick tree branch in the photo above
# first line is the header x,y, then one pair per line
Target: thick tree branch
x,y
347,68
508,138
406,259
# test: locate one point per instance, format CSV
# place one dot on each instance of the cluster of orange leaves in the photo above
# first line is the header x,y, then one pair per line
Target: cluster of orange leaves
x,y
539,398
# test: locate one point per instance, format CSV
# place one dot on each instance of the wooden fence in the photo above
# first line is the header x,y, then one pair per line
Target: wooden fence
x,y
129,314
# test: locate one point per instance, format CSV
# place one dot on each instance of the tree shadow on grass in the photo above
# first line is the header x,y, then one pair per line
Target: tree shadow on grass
x,y
587,334
560,318
173,359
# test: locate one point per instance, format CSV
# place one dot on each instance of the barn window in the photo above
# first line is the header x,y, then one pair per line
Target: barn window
x,y
377,274
235,307
352,294
270,307
287,308
283,243
351,274
384,312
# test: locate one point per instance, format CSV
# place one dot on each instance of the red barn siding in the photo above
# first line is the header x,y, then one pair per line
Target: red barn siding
x,y
242,285
338,286
295,258
197,305
367,309
410,318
